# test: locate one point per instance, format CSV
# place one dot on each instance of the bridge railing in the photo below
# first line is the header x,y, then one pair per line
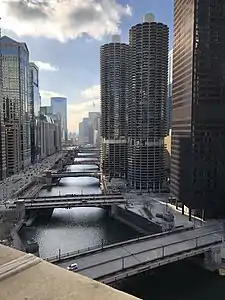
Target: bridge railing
x,y
97,248
160,253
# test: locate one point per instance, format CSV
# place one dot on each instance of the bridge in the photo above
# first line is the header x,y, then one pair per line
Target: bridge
x,y
94,155
111,263
89,150
69,201
87,162
76,174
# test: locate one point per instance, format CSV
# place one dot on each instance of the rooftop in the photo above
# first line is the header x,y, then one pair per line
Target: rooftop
x,y
25,276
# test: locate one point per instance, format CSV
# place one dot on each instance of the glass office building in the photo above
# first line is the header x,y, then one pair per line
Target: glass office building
x,y
15,106
59,107
198,126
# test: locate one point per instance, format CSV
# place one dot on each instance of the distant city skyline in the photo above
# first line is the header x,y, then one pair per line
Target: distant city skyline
x,y
67,66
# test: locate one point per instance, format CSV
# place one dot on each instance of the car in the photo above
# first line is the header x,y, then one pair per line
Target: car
x,y
72,267
84,200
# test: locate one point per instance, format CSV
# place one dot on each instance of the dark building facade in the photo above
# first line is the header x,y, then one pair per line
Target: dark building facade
x,y
115,82
198,126
34,106
147,106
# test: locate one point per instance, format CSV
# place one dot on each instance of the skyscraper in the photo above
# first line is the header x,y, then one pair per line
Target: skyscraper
x,y
147,104
16,113
93,121
2,125
115,82
198,127
59,107
84,131
34,104
169,97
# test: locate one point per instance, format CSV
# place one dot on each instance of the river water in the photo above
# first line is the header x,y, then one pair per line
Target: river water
x,y
77,228
80,228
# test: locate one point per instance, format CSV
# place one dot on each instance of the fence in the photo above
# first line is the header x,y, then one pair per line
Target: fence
x,y
88,250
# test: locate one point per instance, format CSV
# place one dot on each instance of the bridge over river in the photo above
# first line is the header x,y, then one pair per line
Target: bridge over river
x,y
69,201
110,263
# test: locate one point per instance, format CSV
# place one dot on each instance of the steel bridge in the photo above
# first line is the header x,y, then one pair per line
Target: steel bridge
x,y
111,263
76,174
87,162
69,201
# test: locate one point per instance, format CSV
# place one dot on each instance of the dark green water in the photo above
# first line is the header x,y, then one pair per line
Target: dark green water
x,y
178,281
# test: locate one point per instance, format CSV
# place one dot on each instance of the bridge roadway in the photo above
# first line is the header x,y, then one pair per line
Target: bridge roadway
x,y
86,162
69,201
76,174
114,262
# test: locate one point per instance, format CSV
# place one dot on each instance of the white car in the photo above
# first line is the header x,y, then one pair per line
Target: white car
x,y
72,267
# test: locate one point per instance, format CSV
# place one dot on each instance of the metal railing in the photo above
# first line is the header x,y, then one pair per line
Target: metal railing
x,y
97,248
161,255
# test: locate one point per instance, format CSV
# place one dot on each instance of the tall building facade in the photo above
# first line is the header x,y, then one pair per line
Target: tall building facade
x,y
59,107
115,89
169,98
49,134
2,125
198,127
84,131
35,104
94,117
15,104
147,104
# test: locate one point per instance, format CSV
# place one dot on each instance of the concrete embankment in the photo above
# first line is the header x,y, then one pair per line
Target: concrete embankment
x,y
134,220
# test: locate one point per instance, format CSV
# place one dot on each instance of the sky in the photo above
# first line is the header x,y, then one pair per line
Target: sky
x,y
64,39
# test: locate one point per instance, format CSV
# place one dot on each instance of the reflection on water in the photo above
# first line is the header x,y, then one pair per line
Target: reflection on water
x,y
78,185
77,228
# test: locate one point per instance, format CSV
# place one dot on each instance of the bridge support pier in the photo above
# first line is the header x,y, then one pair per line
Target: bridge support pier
x,y
212,259
48,178
45,213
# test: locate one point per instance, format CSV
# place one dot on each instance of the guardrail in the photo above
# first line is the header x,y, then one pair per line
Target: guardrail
x,y
180,254
149,265
71,204
94,249
74,195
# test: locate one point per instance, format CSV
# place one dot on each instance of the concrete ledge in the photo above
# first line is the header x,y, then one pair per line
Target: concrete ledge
x,y
44,281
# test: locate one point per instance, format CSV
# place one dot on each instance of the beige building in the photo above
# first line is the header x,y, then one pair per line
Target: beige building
x,y
49,135
25,276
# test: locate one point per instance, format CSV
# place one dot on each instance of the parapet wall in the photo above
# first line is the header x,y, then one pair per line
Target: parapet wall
x,y
134,220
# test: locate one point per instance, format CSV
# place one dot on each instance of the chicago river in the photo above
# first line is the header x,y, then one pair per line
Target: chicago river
x,y
78,228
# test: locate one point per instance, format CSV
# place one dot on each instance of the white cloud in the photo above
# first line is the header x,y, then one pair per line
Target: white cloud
x,y
77,111
45,66
63,19
92,92
46,95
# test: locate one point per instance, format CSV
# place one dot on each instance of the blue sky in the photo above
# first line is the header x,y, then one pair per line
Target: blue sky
x,y
64,37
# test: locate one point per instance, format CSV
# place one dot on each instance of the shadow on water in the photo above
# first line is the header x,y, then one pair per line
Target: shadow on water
x,y
178,281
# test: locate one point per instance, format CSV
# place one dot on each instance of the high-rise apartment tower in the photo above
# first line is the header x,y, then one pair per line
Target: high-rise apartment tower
x,y
147,104
115,85
198,126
